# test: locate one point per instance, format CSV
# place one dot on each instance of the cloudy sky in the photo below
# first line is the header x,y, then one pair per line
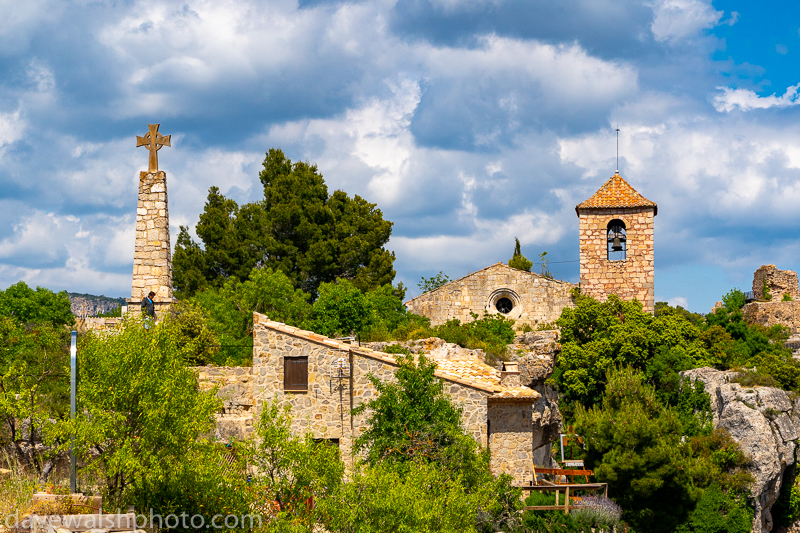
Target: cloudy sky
x,y
468,123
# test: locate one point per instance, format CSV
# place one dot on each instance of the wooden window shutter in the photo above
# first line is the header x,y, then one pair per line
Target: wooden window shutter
x,y
295,373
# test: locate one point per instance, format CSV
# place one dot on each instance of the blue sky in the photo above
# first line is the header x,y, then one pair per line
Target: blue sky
x,y
467,122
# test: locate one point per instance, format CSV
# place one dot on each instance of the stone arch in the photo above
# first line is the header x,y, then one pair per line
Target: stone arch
x,y
500,299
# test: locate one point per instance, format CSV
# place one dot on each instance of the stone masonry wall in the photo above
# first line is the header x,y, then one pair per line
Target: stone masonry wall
x,y
630,278
510,440
324,410
152,265
235,389
771,313
779,282
535,298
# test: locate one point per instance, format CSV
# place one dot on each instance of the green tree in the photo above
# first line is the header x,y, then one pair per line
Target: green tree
x,y
23,304
519,261
196,338
290,469
141,411
412,420
341,309
230,311
634,443
34,389
298,228
433,282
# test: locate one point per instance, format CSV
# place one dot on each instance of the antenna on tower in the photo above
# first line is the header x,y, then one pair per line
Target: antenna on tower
x,y
617,130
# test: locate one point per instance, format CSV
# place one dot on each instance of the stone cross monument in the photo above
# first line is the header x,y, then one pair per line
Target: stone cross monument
x,y
152,260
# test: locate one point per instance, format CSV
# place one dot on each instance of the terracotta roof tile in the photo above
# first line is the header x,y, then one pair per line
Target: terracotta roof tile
x,y
466,371
616,192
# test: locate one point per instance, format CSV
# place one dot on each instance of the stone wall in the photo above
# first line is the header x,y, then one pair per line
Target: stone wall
x,y
235,389
771,313
324,409
152,264
510,440
535,299
778,282
630,278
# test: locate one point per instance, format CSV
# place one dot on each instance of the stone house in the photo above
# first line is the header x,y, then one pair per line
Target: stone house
x,y
323,379
525,297
775,311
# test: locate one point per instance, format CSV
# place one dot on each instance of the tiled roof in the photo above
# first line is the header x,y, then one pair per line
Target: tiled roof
x,y
465,371
616,192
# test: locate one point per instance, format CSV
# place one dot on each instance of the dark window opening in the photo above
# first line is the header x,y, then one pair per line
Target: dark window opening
x,y
329,442
617,241
295,373
504,305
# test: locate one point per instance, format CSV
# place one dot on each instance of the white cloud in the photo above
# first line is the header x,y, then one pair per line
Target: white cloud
x,y
746,100
677,20
679,300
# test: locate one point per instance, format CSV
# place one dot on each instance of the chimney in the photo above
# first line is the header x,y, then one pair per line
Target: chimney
x,y
509,377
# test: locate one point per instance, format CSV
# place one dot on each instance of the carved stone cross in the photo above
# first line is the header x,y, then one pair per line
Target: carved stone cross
x,y
153,141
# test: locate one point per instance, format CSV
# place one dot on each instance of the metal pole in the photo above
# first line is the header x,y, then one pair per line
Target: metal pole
x,y
73,371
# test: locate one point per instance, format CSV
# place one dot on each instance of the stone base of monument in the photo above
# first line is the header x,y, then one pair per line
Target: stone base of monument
x,y
161,307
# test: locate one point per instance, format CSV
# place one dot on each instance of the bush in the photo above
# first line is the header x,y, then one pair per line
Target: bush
x,y
519,261
751,379
492,334
598,511
341,309
718,512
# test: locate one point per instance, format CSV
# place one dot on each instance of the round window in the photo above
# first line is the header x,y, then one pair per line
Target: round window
x,y
504,305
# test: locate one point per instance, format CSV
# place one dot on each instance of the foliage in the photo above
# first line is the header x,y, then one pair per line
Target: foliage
x,y
786,509
694,318
433,282
387,313
634,443
749,378
298,229
599,511
413,420
34,389
23,304
491,333
786,297
341,309
734,300
765,293
718,512
552,520
141,411
116,312
195,339
543,260
230,311
16,491
419,498
519,261
290,469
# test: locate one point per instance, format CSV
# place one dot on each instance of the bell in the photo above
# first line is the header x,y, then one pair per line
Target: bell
x,y
617,246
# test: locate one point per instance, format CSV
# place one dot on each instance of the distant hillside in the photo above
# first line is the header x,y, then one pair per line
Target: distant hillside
x,y
91,304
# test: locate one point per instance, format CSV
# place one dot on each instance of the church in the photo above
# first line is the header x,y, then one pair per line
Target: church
x,y
616,257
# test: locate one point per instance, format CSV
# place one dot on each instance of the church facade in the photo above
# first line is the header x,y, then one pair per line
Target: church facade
x,y
616,228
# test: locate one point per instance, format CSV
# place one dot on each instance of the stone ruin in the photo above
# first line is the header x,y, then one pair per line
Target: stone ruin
x,y
777,282
775,311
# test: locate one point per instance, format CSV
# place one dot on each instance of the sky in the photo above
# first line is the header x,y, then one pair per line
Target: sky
x,y
468,123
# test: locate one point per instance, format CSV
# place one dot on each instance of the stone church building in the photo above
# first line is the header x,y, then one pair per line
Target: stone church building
x,y
616,257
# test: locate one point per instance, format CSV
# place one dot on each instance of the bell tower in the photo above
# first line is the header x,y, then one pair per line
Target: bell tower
x,y
616,241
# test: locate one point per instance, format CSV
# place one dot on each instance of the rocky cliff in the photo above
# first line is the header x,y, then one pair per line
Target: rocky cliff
x,y
91,305
764,421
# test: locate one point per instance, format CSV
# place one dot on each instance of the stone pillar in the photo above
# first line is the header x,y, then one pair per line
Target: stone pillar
x,y
152,260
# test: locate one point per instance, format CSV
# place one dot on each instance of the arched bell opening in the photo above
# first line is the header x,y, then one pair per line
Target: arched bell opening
x,y
617,240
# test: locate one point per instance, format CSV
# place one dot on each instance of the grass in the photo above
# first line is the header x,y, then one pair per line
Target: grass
x,y
16,491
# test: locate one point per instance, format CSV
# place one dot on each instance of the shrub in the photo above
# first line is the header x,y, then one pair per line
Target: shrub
x,y
434,282
718,512
786,297
492,334
751,379
519,261
16,491
598,511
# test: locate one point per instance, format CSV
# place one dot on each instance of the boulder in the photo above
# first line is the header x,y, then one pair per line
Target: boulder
x,y
764,421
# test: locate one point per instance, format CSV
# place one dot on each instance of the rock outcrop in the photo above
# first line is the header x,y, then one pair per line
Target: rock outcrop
x,y
764,421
